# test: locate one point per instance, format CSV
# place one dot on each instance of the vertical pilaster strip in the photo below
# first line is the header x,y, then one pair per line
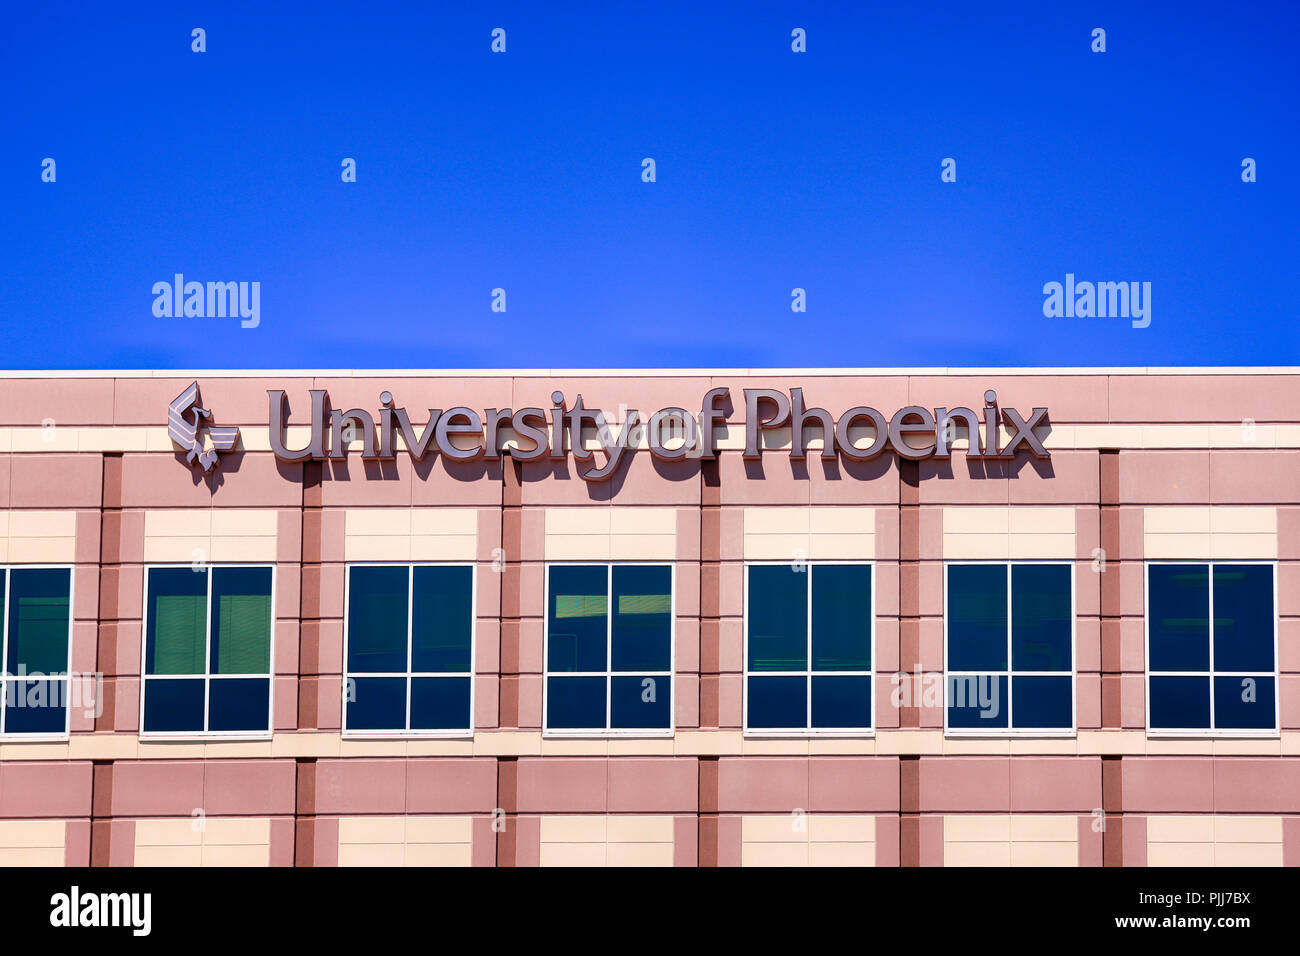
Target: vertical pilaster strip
x,y
110,557
508,803
110,579
1112,680
708,811
1111,578
304,812
710,594
1112,804
707,821
909,583
512,544
101,813
511,584
909,810
309,597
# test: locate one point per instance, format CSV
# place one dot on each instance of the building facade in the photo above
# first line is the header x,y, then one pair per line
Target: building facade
x,y
698,618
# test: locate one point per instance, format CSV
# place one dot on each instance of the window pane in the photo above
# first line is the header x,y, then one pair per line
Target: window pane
x,y
1041,703
36,706
178,624
841,702
1178,618
440,703
175,705
378,703
1180,703
977,617
575,703
242,704
241,621
38,620
778,619
778,702
642,621
977,702
1040,618
577,620
442,620
1243,618
377,617
641,702
1244,703
841,619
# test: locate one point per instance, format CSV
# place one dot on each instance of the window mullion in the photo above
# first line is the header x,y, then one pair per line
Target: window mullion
x,y
4,660
609,646
207,654
1209,630
1010,664
410,637
808,663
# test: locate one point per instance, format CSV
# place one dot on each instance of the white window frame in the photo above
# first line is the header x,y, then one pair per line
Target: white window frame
x,y
471,674
1273,732
808,730
66,679
609,673
1011,673
207,676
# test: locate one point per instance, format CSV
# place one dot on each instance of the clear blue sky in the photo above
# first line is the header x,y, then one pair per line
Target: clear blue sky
x,y
775,170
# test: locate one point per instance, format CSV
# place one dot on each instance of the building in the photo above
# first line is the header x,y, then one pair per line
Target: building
x,y
1000,616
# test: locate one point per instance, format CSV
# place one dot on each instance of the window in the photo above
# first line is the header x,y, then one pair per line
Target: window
x,y
207,650
609,648
1009,648
1211,648
809,633
409,649
36,611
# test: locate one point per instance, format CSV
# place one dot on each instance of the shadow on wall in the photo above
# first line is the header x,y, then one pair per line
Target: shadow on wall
x,y
228,462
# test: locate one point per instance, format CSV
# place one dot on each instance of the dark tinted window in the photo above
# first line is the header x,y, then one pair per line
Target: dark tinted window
x,y
201,623
1216,621
177,616
420,613
38,620
1034,634
241,620
616,621
841,618
1245,703
778,702
978,702
1178,616
789,607
377,619
778,617
642,617
977,617
578,618
1243,617
442,621
1041,620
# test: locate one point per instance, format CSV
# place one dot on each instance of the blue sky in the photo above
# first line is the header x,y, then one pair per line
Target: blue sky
x,y
775,170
